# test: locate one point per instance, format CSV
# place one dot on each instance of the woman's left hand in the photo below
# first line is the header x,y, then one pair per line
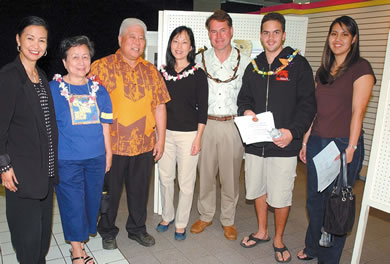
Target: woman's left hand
x,y
195,148
108,161
158,150
349,151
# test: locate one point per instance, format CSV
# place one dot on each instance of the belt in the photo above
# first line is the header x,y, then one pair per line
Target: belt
x,y
221,118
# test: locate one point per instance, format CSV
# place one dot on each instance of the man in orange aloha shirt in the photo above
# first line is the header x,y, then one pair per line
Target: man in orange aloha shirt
x,y
138,94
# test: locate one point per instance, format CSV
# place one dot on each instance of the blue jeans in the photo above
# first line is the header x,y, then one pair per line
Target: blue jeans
x,y
316,201
78,194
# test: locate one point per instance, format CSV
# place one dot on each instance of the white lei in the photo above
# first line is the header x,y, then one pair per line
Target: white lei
x,y
65,92
178,76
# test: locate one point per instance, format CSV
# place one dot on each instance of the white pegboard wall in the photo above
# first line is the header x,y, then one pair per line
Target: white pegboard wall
x,y
380,185
245,26
377,188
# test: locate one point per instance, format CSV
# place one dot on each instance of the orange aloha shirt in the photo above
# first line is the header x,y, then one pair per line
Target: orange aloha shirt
x,y
135,93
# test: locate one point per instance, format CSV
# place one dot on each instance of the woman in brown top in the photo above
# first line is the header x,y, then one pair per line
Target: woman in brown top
x,y
344,83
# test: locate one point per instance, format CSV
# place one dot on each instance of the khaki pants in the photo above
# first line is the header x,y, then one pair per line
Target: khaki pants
x,y
222,151
177,150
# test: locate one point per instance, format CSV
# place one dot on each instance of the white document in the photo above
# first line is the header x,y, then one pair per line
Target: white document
x,y
255,131
326,166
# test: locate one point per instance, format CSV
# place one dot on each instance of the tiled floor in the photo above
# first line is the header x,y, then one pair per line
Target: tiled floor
x,y
59,249
211,246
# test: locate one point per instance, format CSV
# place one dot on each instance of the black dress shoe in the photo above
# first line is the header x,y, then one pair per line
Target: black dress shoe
x,y
144,239
109,243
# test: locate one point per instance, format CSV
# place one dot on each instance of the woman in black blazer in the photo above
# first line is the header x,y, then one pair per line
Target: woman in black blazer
x,y
28,144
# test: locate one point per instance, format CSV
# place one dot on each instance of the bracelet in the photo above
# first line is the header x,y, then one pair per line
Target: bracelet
x,y
303,144
5,168
353,146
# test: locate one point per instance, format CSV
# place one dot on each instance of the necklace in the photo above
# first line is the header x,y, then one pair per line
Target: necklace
x,y
33,76
183,75
65,92
201,51
285,63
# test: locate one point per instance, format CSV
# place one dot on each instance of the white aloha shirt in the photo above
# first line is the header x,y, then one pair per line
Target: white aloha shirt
x,y
223,96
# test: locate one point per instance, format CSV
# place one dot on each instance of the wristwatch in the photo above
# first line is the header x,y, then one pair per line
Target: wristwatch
x,y
353,146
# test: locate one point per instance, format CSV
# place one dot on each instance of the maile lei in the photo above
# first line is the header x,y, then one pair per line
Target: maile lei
x,y
285,63
178,76
69,97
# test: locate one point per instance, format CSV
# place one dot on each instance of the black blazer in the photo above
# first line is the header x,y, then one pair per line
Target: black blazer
x,y
23,135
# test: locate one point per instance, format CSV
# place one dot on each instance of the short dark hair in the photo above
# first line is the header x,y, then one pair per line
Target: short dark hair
x,y
276,17
191,55
220,16
31,21
328,57
71,42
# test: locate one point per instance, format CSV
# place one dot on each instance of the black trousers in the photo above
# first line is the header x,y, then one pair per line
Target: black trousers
x,y
135,171
30,223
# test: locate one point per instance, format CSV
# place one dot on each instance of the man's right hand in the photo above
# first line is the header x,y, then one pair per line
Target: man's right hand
x,y
251,113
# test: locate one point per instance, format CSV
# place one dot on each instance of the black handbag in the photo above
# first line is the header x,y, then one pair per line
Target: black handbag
x,y
104,203
340,208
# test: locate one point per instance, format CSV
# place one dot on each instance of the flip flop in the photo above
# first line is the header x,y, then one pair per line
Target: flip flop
x,y
281,251
255,239
305,258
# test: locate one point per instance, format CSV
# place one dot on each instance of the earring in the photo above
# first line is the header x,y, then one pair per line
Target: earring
x,y
45,53
18,48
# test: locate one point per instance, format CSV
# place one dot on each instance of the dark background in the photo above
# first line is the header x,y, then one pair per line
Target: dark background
x,y
97,19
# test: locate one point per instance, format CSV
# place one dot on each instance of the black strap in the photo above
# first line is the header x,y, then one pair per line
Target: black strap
x,y
342,179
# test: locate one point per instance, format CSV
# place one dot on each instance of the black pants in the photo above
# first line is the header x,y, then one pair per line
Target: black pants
x,y
135,171
30,223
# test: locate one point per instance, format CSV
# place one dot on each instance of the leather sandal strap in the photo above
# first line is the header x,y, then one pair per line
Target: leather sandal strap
x,y
88,259
77,258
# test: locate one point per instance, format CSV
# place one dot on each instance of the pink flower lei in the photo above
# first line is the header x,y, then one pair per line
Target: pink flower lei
x,y
178,76
65,91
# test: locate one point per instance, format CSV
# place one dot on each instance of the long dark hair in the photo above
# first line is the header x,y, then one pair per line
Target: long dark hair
x,y
191,55
328,57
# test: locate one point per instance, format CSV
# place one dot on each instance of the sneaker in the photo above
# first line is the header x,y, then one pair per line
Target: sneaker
x,y
144,239
109,243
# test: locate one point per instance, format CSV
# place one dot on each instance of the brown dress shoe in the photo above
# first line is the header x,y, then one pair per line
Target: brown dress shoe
x,y
230,232
199,226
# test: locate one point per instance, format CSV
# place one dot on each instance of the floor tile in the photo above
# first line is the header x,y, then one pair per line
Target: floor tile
x,y
148,259
3,217
54,253
170,256
5,236
56,261
123,261
94,244
10,259
107,256
6,248
3,227
57,228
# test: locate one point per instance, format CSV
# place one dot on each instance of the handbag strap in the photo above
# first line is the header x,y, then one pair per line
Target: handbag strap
x,y
344,168
341,179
